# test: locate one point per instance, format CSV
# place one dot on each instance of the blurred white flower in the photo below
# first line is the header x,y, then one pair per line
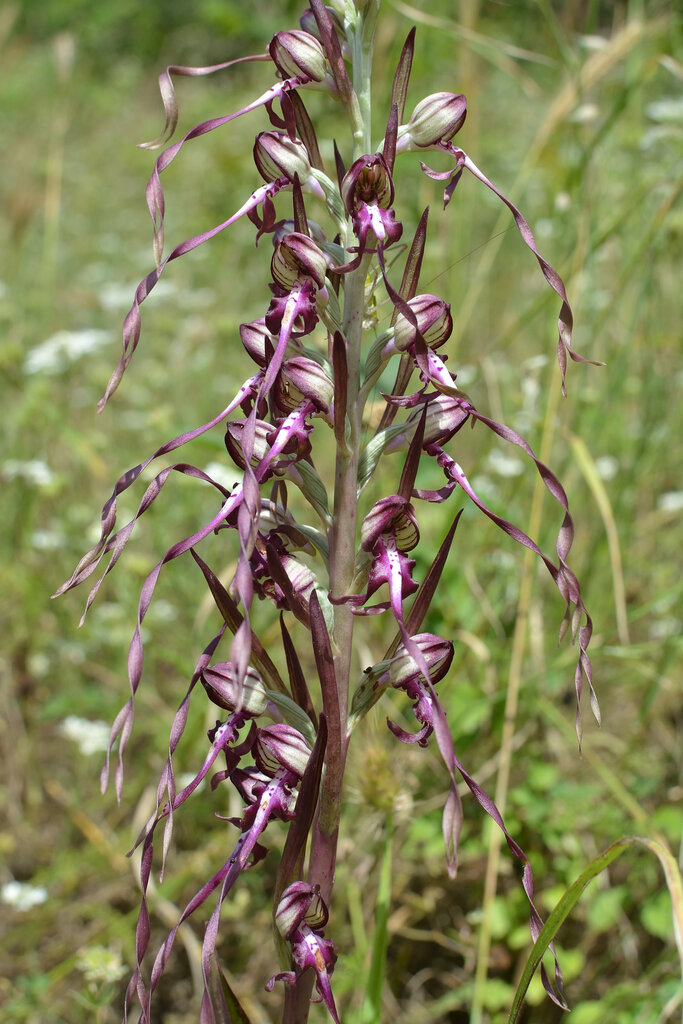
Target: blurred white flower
x,y
585,113
100,965
63,348
672,501
669,108
607,467
223,473
22,895
33,471
46,540
91,737
503,464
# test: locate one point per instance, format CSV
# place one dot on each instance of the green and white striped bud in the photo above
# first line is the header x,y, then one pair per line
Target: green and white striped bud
x,y
436,118
437,653
393,515
295,257
300,903
302,378
278,156
233,442
434,322
221,687
281,746
295,52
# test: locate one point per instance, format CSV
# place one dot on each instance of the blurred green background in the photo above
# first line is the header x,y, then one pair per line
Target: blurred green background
x,y
576,113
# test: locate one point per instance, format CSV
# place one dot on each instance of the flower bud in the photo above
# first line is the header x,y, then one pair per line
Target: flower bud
x,y
445,415
300,903
434,322
221,686
303,379
298,256
278,156
437,653
254,337
437,118
295,53
233,441
286,227
393,515
281,746
367,180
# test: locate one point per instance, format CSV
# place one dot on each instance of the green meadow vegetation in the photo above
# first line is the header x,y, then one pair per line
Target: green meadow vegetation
x,y
575,110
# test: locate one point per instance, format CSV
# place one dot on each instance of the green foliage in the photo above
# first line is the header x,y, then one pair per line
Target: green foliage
x,y
603,194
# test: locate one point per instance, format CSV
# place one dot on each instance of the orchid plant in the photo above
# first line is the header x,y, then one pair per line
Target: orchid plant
x,y
318,356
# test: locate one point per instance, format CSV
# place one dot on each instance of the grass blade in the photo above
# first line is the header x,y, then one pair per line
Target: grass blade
x,y
571,897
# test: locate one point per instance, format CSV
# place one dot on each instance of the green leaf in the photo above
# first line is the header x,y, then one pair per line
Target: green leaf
x,y
224,1003
313,489
371,453
372,1006
293,714
571,897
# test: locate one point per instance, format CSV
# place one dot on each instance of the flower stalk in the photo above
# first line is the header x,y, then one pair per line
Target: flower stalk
x,y
317,357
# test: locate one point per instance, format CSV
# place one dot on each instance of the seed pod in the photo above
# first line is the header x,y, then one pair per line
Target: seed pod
x,y
281,746
434,321
437,118
393,515
300,903
219,682
295,257
437,652
296,53
367,180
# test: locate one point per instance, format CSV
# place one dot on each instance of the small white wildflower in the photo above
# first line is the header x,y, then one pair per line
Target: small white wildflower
x,y
667,626
33,471
503,464
46,540
467,374
223,474
91,737
593,43
162,611
63,348
607,467
544,227
23,896
672,501
669,108
100,965
585,113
